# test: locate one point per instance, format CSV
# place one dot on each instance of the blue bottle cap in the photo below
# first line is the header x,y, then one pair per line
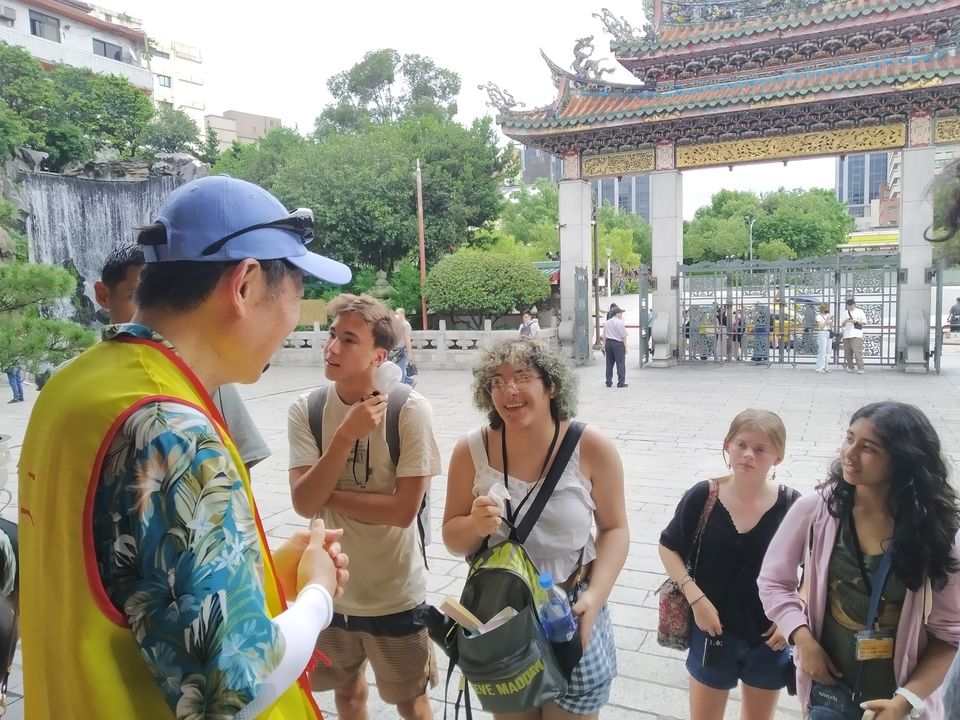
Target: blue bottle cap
x,y
546,580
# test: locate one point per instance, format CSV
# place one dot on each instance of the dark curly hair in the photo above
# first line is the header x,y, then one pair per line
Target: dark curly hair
x,y
534,355
923,504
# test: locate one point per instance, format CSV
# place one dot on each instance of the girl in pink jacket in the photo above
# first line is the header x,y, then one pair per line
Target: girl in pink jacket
x,y
888,490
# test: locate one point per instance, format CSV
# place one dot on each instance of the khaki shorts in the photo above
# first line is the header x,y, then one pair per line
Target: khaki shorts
x,y
396,646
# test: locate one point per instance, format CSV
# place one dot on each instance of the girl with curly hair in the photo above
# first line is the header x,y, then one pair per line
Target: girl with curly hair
x,y
887,493
529,396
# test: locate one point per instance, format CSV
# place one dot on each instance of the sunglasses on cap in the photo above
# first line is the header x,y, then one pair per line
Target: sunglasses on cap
x,y
300,222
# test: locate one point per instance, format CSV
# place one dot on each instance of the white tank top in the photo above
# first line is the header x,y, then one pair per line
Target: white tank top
x,y
566,525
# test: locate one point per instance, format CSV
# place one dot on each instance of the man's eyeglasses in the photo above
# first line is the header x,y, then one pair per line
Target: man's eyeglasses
x,y
300,221
519,380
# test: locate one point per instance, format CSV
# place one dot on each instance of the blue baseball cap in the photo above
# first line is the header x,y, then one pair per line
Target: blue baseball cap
x,y
220,218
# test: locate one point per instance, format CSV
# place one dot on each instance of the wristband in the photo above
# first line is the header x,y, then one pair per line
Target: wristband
x,y
916,703
684,580
698,600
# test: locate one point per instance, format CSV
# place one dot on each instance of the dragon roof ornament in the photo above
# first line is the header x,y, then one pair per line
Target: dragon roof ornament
x,y
619,28
499,99
584,68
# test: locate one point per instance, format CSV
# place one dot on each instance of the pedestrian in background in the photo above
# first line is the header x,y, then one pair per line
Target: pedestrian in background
x,y
615,345
530,327
852,324
15,378
824,326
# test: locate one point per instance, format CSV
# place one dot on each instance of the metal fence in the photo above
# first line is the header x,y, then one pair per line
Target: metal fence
x,y
765,312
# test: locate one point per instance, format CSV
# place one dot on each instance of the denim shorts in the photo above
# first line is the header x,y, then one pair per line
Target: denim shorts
x,y
757,666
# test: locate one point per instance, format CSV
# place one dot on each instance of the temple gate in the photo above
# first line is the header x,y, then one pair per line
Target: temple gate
x,y
727,82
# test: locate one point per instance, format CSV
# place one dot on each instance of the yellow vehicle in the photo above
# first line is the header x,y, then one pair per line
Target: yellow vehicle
x,y
791,319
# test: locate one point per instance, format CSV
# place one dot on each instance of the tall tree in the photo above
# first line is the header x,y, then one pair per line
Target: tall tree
x,y
385,86
361,187
259,162
210,150
807,222
170,131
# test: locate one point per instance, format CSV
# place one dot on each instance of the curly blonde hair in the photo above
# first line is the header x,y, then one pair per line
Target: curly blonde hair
x,y
529,354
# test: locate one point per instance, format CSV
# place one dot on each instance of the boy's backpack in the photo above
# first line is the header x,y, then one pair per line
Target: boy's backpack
x,y
396,400
513,667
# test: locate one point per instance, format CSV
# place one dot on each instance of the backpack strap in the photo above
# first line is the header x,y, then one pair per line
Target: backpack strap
x,y
559,464
316,401
396,400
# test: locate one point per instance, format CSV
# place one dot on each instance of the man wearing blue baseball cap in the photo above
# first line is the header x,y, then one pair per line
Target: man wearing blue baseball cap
x,y
147,584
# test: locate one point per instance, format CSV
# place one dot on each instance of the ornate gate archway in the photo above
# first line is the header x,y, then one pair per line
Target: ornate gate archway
x,y
725,82
765,312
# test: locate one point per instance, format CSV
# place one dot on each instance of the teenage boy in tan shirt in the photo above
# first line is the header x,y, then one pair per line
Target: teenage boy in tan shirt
x,y
351,481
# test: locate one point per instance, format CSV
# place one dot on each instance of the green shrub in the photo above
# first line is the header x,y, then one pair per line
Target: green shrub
x,y
483,285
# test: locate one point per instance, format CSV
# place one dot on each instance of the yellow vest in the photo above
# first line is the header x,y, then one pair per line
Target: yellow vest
x,y
80,659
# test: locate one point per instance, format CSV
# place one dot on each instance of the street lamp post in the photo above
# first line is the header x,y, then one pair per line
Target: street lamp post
x,y
609,279
751,221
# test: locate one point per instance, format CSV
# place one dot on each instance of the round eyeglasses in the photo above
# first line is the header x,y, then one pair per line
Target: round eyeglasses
x,y
519,380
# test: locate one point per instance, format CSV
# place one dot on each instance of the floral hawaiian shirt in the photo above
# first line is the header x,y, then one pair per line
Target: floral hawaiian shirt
x,y
179,555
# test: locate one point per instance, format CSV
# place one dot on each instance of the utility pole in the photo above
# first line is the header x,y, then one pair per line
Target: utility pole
x,y
423,249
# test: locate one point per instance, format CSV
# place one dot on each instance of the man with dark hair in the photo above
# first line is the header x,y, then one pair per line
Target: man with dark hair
x,y
615,345
115,293
350,478
852,323
143,561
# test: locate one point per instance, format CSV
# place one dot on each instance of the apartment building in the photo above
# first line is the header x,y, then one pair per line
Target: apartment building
x,y
59,31
240,126
179,80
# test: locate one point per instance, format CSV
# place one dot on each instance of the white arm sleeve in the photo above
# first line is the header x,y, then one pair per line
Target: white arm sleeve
x,y
300,624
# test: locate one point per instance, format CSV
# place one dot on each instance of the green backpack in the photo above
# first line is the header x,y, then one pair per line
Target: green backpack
x,y
513,667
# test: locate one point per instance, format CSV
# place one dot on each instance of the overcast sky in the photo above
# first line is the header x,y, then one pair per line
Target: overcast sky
x,y
273,58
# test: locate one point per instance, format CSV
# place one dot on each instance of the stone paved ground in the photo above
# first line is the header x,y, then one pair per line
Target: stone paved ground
x,y
669,425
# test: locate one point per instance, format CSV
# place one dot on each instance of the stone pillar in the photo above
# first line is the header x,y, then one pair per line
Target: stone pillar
x,y
666,220
576,208
916,258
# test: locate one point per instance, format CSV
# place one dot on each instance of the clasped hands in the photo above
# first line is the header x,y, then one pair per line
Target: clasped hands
x,y
312,557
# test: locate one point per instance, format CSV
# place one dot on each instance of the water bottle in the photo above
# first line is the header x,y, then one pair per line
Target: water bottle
x,y
557,618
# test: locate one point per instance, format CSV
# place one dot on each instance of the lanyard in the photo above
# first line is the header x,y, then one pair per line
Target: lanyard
x,y
512,516
870,622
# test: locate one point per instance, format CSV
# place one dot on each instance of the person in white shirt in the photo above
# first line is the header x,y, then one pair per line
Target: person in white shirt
x,y
530,327
615,345
824,325
852,323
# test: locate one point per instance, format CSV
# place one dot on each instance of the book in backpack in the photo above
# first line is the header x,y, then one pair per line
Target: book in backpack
x,y
513,667
396,399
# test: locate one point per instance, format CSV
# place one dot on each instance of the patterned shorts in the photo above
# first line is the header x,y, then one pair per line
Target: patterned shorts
x,y
589,688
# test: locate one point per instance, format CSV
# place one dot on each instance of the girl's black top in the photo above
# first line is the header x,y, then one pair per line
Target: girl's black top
x,y
729,561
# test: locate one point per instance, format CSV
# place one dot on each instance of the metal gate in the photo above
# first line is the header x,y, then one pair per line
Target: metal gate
x,y
646,343
941,268
581,314
765,312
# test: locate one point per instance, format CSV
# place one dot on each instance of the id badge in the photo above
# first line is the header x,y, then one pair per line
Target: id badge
x,y
874,645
